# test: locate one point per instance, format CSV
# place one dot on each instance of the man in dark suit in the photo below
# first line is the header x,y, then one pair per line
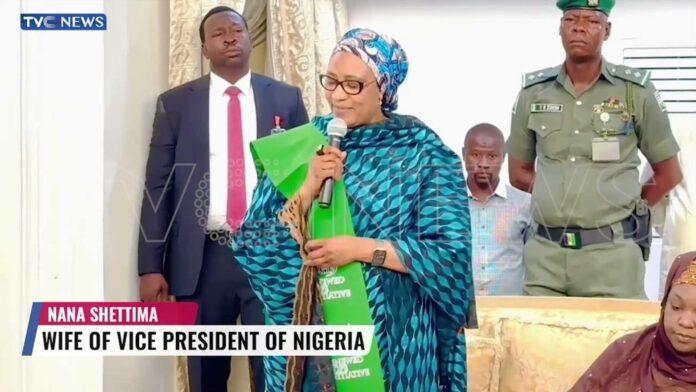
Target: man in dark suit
x,y
199,180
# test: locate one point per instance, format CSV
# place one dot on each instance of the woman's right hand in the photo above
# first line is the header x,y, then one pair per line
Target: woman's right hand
x,y
330,164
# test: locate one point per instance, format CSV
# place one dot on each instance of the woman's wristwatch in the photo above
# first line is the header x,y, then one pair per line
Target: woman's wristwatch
x,y
380,253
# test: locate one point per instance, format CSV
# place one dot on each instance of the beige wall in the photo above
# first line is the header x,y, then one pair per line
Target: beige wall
x,y
51,165
11,271
13,326
136,56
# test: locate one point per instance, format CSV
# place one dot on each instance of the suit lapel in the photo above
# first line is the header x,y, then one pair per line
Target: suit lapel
x,y
262,96
200,112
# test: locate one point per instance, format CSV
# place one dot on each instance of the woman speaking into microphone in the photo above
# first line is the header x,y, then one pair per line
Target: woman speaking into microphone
x,y
391,250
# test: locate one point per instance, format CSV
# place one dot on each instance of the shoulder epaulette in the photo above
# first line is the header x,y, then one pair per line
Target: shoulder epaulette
x,y
633,75
540,76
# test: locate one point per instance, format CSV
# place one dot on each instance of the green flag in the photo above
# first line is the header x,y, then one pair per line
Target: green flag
x,y
285,159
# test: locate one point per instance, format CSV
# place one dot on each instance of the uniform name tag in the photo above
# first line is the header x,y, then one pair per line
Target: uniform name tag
x,y
547,108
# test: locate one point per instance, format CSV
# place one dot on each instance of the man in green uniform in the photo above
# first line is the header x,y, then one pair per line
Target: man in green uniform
x,y
583,123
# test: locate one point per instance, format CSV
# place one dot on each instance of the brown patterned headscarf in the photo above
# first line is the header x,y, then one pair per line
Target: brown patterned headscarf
x,y
633,363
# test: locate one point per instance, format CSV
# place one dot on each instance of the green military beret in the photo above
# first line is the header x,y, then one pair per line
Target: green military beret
x,y
597,5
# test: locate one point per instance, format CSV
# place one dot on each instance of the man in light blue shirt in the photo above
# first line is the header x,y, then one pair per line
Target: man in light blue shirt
x,y
500,215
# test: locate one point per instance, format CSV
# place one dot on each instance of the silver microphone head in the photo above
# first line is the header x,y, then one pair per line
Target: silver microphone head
x,y
337,127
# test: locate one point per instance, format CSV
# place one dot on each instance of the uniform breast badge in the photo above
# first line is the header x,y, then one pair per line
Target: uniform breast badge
x,y
614,109
608,115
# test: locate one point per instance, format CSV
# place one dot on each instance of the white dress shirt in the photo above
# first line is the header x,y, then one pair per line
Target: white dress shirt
x,y
217,214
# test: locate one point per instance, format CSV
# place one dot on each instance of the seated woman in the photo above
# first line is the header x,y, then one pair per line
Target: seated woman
x,y
660,358
407,201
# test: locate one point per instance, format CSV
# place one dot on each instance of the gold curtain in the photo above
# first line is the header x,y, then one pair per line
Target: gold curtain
x,y
292,40
185,59
255,15
300,37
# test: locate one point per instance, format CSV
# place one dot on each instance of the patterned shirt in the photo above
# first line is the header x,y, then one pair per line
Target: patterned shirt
x,y
499,226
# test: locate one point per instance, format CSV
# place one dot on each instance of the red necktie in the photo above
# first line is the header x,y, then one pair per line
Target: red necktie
x,y
236,184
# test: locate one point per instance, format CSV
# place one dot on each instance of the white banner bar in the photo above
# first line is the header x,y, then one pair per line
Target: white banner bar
x,y
233,340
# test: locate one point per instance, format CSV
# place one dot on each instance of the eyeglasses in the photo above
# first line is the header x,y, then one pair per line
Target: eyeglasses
x,y
350,87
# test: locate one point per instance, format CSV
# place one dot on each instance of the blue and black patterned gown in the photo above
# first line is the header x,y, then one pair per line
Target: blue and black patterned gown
x,y
405,186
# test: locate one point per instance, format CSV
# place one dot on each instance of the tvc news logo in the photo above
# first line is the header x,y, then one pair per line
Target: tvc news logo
x,y
63,21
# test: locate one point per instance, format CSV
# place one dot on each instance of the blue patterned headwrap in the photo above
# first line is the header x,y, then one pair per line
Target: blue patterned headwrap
x,y
384,56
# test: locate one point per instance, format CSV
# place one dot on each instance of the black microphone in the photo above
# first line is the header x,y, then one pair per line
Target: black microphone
x,y
336,129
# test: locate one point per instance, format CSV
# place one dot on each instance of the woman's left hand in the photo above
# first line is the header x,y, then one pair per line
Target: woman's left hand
x,y
332,252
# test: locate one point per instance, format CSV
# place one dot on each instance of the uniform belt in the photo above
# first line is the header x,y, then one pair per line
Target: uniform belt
x,y
576,238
